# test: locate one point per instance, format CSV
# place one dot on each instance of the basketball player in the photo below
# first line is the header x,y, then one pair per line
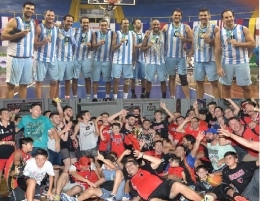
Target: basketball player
x,y
46,65
65,42
177,35
102,42
232,42
82,57
139,70
154,47
123,58
204,55
20,31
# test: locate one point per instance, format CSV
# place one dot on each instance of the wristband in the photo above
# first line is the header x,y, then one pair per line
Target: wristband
x,y
142,155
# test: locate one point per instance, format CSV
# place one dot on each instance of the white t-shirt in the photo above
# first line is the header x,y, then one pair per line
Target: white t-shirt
x,y
33,171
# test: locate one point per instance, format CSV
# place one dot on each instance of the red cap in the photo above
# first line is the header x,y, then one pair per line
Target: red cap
x,y
84,161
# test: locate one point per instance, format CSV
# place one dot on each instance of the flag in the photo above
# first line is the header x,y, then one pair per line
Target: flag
x,y
252,25
239,21
257,32
3,23
220,24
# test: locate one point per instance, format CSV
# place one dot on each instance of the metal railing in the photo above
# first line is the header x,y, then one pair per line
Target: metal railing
x,y
96,19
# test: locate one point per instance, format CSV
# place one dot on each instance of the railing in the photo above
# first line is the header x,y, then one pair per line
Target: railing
x,y
163,19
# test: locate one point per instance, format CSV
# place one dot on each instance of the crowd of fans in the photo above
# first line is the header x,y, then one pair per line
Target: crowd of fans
x,y
125,156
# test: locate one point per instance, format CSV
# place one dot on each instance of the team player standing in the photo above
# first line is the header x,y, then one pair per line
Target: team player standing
x,y
63,53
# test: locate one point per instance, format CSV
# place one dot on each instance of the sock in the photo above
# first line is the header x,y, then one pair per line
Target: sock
x,y
67,97
95,96
147,95
143,90
164,95
172,97
88,96
74,96
133,91
125,95
115,96
107,95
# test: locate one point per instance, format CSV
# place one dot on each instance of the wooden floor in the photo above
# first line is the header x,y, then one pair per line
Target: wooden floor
x,y
236,92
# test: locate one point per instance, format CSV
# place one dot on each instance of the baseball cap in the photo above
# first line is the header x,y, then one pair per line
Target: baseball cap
x,y
84,161
211,130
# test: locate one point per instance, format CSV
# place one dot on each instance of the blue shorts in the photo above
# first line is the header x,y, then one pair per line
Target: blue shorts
x,y
151,69
104,67
118,69
202,69
119,194
83,66
241,71
48,70
172,63
139,71
54,157
19,70
66,70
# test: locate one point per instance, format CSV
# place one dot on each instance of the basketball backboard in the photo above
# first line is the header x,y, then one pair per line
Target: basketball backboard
x,y
106,2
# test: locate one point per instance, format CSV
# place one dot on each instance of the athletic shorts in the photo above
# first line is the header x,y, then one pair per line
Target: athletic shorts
x,y
240,71
104,67
119,69
83,67
139,71
69,186
151,69
19,70
22,184
173,63
66,153
66,70
46,70
163,191
203,69
90,152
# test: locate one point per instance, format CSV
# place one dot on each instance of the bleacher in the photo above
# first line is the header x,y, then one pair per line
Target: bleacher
x,y
163,8
61,7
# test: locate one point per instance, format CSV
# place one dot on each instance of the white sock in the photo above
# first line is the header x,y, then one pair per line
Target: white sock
x,y
75,96
95,96
125,95
88,95
107,95
115,96
67,97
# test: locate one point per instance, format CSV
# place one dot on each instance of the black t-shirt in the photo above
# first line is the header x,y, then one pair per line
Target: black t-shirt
x,y
124,130
211,121
7,134
165,161
240,176
161,127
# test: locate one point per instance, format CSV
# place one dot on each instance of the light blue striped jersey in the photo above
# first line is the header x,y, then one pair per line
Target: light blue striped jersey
x,y
82,52
64,47
203,52
47,53
104,52
124,54
174,44
155,54
231,54
139,53
24,48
